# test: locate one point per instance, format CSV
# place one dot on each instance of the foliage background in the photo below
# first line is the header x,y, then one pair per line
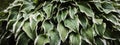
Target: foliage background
x,y
60,22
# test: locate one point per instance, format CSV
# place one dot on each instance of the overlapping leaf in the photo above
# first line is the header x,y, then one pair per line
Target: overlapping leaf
x,y
83,22
100,28
84,7
41,40
61,15
26,28
72,12
54,38
48,9
72,24
63,32
88,35
47,26
75,39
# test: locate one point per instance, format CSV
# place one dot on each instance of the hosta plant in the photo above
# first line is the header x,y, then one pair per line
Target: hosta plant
x,y
61,22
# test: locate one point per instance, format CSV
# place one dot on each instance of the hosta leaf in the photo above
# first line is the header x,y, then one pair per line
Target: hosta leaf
x,y
99,6
58,17
100,28
83,22
61,15
14,13
107,7
84,7
72,12
16,26
22,39
26,16
19,16
48,9
112,18
63,32
47,25
54,38
64,14
28,31
33,22
40,17
72,24
75,39
35,14
27,6
98,21
88,35
41,40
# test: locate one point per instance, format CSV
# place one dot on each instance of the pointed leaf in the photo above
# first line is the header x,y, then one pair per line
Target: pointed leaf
x,y
63,32
111,18
88,35
40,17
107,7
28,31
54,38
33,22
72,12
72,24
61,15
83,22
47,26
98,21
100,28
48,9
16,25
75,39
27,6
84,7
99,6
41,40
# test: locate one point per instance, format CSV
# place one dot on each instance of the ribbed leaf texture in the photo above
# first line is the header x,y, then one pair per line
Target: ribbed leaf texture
x,y
61,22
